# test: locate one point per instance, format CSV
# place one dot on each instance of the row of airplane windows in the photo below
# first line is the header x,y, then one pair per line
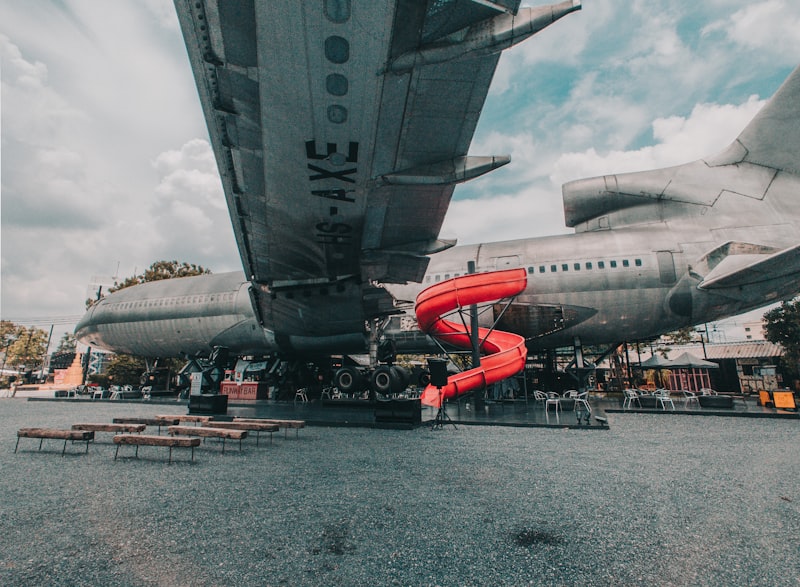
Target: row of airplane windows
x,y
554,268
174,301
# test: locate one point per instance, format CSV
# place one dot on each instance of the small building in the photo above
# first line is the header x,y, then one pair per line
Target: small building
x,y
744,367
747,367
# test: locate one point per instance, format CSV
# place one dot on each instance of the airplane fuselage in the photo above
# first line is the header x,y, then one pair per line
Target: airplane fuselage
x,y
652,252
599,286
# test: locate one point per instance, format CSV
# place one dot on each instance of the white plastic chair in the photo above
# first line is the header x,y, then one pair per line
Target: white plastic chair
x,y
689,397
582,406
663,397
553,399
630,397
300,394
539,397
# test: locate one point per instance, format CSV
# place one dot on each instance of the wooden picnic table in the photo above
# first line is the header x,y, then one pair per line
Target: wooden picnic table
x,y
184,418
223,433
138,440
57,434
285,424
159,422
105,427
257,427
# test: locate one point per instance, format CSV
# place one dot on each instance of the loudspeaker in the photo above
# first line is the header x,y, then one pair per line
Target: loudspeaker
x,y
438,369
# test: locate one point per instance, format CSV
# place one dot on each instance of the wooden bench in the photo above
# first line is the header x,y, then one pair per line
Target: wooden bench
x,y
258,427
285,424
115,428
208,432
184,418
155,440
65,435
147,421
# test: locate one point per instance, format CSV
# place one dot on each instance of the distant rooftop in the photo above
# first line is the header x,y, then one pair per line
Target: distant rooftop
x,y
748,349
752,349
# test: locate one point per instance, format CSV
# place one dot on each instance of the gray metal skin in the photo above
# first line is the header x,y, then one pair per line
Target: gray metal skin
x,y
691,243
333,215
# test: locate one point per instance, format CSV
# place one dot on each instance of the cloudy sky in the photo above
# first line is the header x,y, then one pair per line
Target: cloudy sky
x,y
106,165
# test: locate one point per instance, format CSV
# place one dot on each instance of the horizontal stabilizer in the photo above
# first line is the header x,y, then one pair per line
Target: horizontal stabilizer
x,y
749,269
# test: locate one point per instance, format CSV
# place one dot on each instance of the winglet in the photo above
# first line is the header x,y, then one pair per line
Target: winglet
x,y
488,37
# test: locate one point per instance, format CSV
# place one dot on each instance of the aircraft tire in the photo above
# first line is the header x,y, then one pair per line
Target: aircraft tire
x,y
383,380
348,380
402,378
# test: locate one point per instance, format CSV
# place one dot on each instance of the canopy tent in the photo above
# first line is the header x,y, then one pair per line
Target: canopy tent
x,y
690,373
686,371
689,361
656,362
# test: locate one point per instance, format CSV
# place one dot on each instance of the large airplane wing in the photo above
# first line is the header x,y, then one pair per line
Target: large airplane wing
x,y
340,128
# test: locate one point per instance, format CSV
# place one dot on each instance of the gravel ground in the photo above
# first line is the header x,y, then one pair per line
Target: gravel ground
x,y
653,501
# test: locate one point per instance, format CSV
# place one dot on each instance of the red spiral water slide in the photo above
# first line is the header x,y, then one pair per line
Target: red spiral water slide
x,y
505,351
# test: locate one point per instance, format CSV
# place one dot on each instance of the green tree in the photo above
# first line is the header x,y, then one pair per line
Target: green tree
x,y
67,344
9,332
125,370
162,270
156,272
782,326
27,348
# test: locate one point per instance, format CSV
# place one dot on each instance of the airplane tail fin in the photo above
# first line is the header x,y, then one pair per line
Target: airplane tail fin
x,y
749,167
772,139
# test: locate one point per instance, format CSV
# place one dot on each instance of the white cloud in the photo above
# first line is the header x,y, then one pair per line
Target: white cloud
x,y
530,201
708,130
772,26
102,165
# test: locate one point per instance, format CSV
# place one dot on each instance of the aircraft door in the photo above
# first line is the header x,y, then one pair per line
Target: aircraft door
x,y
666,267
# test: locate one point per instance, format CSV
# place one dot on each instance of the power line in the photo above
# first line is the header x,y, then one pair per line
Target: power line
x,y
45,321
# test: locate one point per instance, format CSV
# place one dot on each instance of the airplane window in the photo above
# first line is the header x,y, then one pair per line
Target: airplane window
x,y
625,263
612,263
564,267
541,268
601,264
428,279
638,262
438,277
553,268
447,276
456,274
588,264
577,266
530,270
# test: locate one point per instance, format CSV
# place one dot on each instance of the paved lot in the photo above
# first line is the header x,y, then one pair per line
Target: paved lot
x,y
655,500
